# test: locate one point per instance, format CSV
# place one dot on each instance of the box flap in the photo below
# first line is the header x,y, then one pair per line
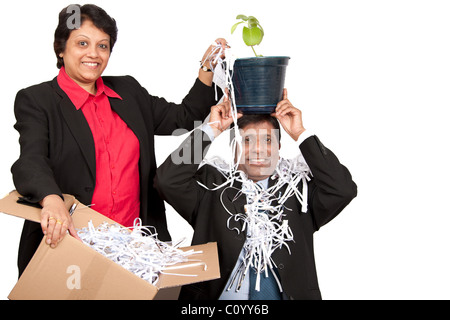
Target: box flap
x,y
9,205
196,273
81,216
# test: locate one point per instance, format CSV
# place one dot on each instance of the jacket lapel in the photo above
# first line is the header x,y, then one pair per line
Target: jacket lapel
x,y
136,123
78,126
132,118
234,202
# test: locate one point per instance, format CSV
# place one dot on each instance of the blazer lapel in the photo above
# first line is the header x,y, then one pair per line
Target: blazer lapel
x,y
234,201
78,126
136,123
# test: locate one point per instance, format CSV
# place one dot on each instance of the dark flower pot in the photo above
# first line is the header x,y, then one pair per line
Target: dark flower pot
x,y
258,83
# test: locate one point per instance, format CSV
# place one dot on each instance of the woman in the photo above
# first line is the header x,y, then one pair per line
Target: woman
x,y
93,136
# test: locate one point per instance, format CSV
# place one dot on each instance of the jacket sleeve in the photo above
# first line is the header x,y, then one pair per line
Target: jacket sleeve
x,y
332,187
176,178
168,116
32,173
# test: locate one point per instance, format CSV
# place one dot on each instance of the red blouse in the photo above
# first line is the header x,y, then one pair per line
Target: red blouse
x,y
116,193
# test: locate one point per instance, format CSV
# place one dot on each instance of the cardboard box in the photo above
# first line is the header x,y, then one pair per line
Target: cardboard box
x,y
73,270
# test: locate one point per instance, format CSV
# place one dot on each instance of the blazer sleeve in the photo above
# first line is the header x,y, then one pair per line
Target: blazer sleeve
x,y
168,116
176,178
332,187
32,173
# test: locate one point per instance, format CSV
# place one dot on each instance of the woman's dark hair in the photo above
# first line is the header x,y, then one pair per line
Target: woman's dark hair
x,y
91,12
248,119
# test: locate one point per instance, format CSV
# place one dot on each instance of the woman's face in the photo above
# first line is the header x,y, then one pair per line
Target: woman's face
x,y
86,55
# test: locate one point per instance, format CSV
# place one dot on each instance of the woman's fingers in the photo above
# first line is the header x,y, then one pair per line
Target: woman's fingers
x,y
56,235
55,220
73,232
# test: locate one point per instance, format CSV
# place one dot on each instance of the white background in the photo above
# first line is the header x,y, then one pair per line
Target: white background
x,y
372,79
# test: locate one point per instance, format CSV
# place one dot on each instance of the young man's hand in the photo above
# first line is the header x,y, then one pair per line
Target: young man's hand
x,y
289,116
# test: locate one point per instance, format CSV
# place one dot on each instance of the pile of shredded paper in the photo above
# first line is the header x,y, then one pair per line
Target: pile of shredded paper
x,y
136,249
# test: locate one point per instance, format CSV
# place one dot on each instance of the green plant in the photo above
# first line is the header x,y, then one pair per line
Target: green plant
x,y
251,34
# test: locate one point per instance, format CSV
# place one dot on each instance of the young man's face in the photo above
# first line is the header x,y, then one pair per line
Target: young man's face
x,y
260,150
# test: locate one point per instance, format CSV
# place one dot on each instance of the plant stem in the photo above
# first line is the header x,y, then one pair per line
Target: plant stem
x,y
254,51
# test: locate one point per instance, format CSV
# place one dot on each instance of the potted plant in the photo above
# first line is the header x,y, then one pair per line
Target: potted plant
x,y
258,82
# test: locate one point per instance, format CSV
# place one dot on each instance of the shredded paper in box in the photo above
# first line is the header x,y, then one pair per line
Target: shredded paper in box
x,y
137,249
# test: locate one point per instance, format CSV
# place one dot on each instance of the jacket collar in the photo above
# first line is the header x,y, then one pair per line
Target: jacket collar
x,y
77,94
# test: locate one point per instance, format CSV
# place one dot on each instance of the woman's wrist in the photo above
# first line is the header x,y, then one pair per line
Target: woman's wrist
x,y
49,199
206,77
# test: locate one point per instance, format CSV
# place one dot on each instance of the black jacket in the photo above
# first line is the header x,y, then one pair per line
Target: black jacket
x,y
330,190
57,152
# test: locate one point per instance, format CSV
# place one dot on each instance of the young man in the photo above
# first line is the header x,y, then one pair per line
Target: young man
x,y
220,213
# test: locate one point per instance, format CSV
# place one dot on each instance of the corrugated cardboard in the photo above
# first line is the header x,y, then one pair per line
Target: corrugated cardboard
x,y
75,271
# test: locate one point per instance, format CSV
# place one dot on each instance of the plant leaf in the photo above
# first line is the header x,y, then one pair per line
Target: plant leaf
x,y
252,36
252,24
235,25
241,16
262,31
253,18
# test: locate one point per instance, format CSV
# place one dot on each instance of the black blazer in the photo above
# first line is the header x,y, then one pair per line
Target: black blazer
x,y
57,152
330,190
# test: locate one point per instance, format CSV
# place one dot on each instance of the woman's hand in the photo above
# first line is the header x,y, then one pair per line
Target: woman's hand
x,y
209,60
56,220
289,117
210,54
